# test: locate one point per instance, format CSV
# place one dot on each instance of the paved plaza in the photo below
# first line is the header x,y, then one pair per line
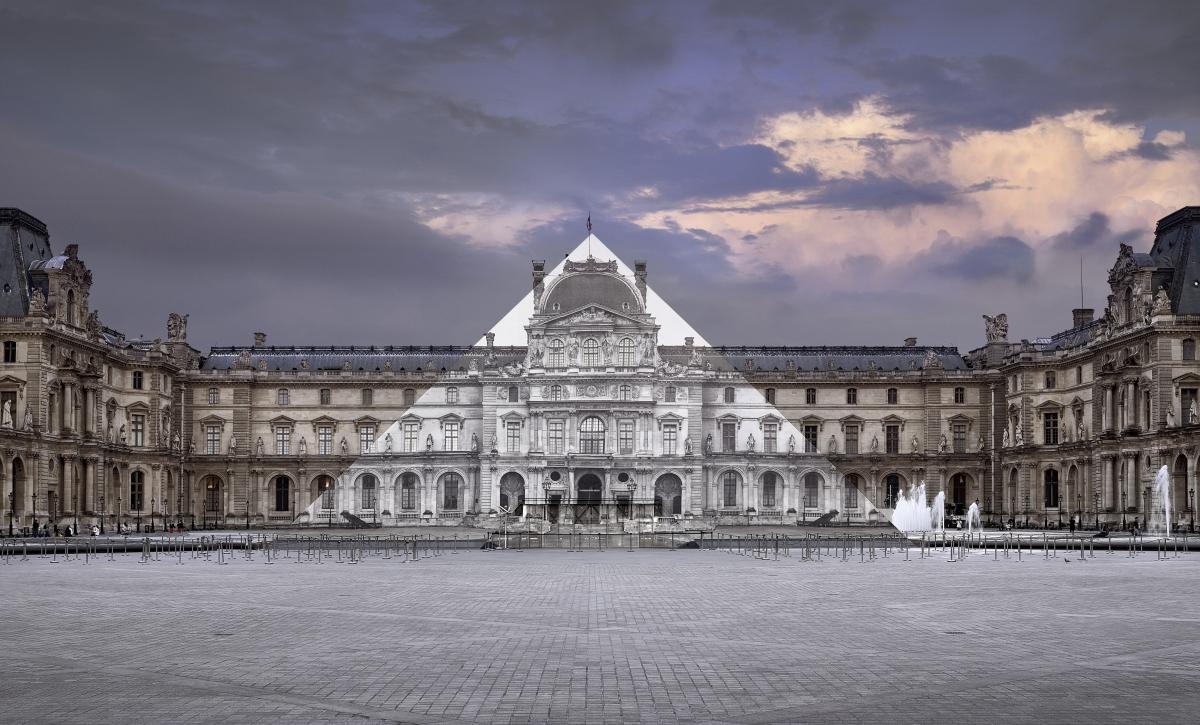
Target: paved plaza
x,y
603,637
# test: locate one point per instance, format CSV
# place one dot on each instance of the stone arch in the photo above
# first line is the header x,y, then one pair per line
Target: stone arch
x,y
1010,491
324,487
668,495
771,487
212,499
451,487
18,488
512,492
958,492
1180,501
812,489
280,490
1074,493
893,483
408,491
366,490
730,483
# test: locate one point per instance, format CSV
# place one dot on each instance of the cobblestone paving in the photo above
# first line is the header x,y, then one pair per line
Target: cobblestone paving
x,y
603,637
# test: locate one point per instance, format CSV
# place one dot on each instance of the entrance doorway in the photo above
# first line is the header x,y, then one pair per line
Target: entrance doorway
x,y
587,503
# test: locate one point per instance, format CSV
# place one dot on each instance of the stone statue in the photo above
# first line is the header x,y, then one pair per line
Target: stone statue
x,y
121,435
916,444
232,445
474,443
708,444
573,350
874,444
1004,444
750,443
687,446
175,441
176,327
37,302
429,442
791,444
1082,431
1194,416
345,447
607,345
302,448
92,324
943,444
1162,302
996,327
258,447
191,447
29,420
1065,433
1020,437
387,443
492,445
696,360
6,417
931,361
1170,416
982,442
832,448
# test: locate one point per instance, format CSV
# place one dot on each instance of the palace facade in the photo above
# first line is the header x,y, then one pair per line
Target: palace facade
x,y
594,419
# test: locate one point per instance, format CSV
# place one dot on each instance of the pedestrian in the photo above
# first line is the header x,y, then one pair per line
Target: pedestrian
x,y
35,528
1072,525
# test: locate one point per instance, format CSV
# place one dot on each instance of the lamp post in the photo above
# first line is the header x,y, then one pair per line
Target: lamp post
x,y
120,514
152,507
1192,508
139,516
12,506
1123,507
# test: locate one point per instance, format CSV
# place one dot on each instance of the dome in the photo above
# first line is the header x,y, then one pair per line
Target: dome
x,y
581,289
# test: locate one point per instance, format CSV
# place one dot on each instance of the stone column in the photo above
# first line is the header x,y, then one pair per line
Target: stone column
x,y
89,473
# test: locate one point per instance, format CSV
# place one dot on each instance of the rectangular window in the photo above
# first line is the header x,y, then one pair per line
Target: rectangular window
x,y
770,437
137,493
810,396
625,436
768,494
368,396
325,440
729,437
669,395
1050,380
450,438
451,396
366,439
411,430
771,396
137,379
326,396
556,436
450,493
892,435
960,437
729,395
852,396
212,440
283,441
514,436
851,495
852,439
960,395
1050,429
408,497
670,437
1078,374
138,431
730,491
282,396
10,351
810,438
893,396
214,396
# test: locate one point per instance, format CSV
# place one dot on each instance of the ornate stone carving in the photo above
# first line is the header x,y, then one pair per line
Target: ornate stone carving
x,y
37,302
429,443
996,327
1162,302
708,444
176,327
932,361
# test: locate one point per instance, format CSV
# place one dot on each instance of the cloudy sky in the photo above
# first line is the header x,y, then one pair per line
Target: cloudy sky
x,y
794,172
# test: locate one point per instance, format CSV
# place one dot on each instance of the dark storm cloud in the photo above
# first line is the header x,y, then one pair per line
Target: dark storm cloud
x,y
1093,233
263,164
1003,259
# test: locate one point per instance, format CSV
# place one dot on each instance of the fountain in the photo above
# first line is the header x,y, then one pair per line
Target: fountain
x,y
912,514
1160,511
973,520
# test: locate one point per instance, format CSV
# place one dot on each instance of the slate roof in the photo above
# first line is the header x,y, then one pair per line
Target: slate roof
x,y
24,241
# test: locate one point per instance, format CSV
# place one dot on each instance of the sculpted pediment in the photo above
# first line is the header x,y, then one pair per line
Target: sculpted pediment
x,y
590,315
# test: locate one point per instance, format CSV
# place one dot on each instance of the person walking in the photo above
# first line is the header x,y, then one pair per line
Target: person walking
x,y
1072,526
35,528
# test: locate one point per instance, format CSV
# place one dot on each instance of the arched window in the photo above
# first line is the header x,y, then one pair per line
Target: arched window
x,y
1189,349
1128,305
891,490
591,353
325,491
850,485
137,491
729,394
408,491
591,435
730,482
1050,478
624,392
410,397
283,493
1179,492
512,493
812,489
368,490
625,353
556,392
556,353
770,488
451,492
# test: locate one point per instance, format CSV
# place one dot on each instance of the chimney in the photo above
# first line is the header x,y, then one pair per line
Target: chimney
x,y
639,275
910,342
73,251
491,340
1081,316
689,341
260,339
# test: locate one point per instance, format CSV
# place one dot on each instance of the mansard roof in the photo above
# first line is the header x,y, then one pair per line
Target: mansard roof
x,y
766,359
351,357
591,283
1177,247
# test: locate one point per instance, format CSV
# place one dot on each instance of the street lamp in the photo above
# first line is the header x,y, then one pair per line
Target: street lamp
x,y
120,515
152,514
1192,506
139,515
12,506
1123,507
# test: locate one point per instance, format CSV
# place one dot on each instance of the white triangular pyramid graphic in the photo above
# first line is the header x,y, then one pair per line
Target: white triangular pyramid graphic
x,y
510,330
